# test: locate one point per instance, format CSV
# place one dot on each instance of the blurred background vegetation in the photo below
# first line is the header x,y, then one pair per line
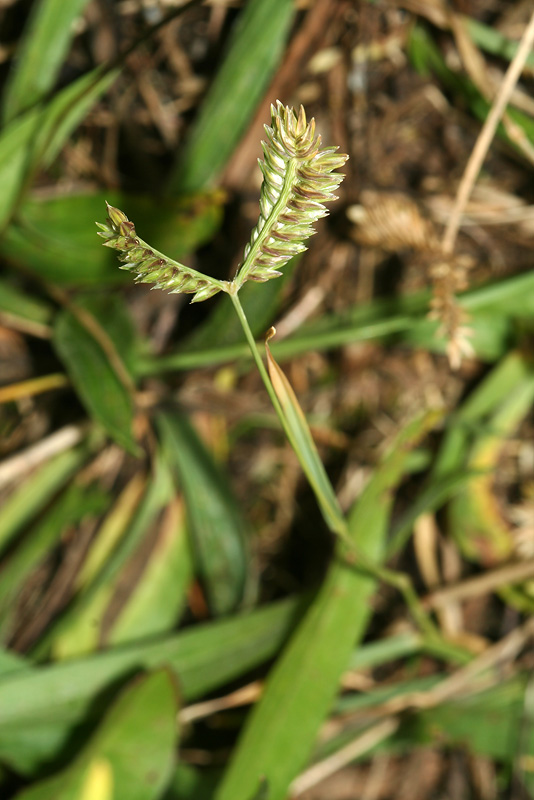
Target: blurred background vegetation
x,y
174,623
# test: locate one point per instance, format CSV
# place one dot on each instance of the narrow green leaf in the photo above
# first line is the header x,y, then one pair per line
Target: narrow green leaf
x,y
304,446
74,504
160,594
218,532
36,491
41,707
79,631
475,518
493,310
35,138
253,53
17,303
300,691
40,54
136,740
486,723
99,375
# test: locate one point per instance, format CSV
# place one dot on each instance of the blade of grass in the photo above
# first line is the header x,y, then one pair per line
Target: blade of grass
x,y
98,373
159,596
493,309
476,520
304,446
253,53
40,54
35,138
281,729
79,630
76,503
33,494
218,533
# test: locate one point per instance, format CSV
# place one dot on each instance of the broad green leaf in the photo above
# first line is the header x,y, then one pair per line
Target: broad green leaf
x,y
42,707
160,594
218,532
99,369
40,54
280,731
254,52
51,235
75,504
136,741
36,491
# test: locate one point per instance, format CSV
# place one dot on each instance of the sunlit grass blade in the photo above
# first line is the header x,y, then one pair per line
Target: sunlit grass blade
x,y
98,783
160,594
475,516
40,54
79,631
280,732
253,53
33,494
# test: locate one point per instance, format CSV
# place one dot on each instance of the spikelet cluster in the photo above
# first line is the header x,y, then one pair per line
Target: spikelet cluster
x,y
149,265
297,181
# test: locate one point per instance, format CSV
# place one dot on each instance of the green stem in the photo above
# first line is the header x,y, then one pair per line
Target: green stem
x,y
347,548
261,366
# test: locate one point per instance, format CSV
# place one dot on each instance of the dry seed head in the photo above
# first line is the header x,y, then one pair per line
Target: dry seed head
x,y
298,179
149,265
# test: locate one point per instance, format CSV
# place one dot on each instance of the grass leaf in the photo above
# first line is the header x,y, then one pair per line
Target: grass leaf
x,y
135,741
40,54
100,375
253,53
42,707
218,532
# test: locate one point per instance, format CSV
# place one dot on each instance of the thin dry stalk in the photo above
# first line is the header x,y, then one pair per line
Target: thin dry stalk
x,y
364,743
481,584
14,468
485,137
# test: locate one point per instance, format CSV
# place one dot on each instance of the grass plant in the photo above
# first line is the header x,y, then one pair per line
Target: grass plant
x,y
157,641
